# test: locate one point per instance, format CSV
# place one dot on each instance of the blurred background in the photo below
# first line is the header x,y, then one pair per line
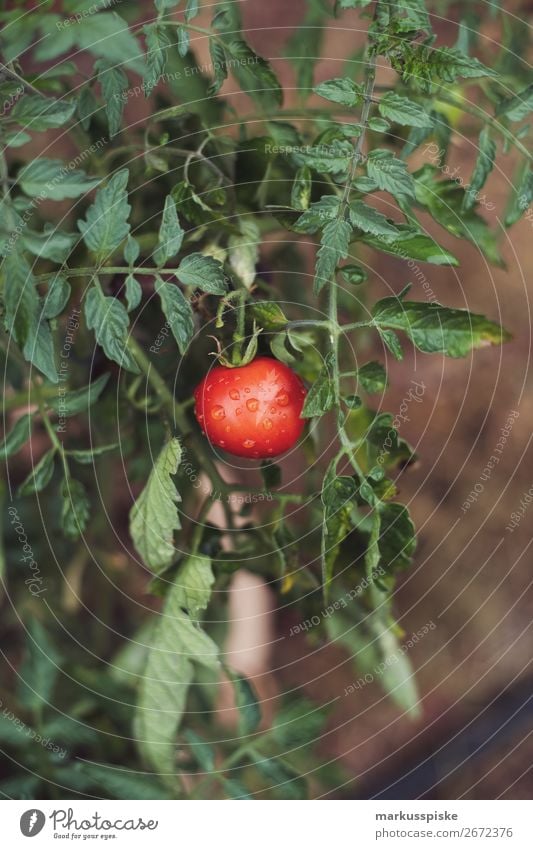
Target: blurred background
x,y
472,574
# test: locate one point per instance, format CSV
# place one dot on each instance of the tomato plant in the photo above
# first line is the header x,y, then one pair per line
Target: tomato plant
x,y
145,211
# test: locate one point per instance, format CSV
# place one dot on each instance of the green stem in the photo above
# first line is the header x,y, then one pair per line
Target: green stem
x,y
56,442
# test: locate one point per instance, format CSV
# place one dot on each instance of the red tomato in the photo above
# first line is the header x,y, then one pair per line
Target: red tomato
x,y
253,410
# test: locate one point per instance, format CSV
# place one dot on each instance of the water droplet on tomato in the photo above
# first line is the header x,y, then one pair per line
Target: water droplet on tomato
x,y
218,413
238,411
221,443
248,443
247,389
267,424
234,394
283,399
272,410
252,404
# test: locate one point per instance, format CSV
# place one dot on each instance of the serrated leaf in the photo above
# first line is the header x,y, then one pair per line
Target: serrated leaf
x,y
134,292
50,179
255,75
109,320
397,537
321,395
170,233
269,315
194,584
372,377
247,704
483,167
337,495
433,328
220,66
413,244
183,41
132,250
23,315
40,113
244,251
78,400
390,174
392,342
177,311
403,111
57,297
108,35
369,220
52,244
157,44
178,644
517,107
87,456
318,215
106,222
39,476
192,9
331,158
521,195
154,516
340,90
17,436
285,780
301,188
75,508
203,272
334,246
114,84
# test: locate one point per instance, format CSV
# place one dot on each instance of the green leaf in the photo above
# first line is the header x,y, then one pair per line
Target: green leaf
x,y
75,508
320,213
194,584
170,233
517,107
177,311
192,9
254,74
87,457
298,723
39,669
117,782
401,110
398,677
301,188
369,220
39,113
40,476
247,704
244,251
392,342
203,753
109,320
157,44
50,179
203,272
433,328
52,244
114,84
397,537
177,644
78,400
269,315
337,496
132,250
17,436
521,195
57,297
483,167
353,274
413,244
106,222
331,158
340,90
134,292
109,36
390,174
334,246
183,41
219,63
285,780
154,516
321,396
372,377
23,315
